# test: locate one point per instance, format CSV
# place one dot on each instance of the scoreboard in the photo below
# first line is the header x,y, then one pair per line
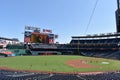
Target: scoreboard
x,y
34,35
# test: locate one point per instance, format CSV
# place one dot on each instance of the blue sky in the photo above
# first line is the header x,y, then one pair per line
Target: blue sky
x,y
65,17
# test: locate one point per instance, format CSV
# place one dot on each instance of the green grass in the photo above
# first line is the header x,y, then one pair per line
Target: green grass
x,y
57,63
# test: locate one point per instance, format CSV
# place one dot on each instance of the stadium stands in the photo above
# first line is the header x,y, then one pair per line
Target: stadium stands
x,y
105,45
5,53
18,52
15,75
43,46
15,46
93,47
17,49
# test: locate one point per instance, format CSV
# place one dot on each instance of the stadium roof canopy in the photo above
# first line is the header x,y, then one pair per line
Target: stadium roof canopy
x,y
14,39
108,35
6,38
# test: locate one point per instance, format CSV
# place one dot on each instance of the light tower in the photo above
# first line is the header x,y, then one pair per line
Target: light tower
x,y
118,16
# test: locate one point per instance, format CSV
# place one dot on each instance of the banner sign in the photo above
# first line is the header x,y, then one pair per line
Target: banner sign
x,y
51,35
31,28
27,39
47,30
27,34
51,41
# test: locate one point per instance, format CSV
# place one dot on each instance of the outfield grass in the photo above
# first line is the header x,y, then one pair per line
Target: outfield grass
x,y
57,63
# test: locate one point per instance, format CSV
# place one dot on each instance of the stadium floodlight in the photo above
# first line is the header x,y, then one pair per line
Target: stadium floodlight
x,y
118,4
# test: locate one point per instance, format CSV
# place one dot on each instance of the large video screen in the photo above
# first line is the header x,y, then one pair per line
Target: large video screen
x,y
39,38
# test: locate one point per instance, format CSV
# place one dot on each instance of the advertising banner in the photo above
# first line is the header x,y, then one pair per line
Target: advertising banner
x,y
51,41
27,39
47,31
27,34
31,28
51,35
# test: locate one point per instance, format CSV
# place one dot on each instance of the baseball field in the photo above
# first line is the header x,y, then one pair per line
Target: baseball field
x,y
59,63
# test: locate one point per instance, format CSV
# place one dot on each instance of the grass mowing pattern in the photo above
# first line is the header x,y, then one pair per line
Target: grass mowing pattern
x,y
57,63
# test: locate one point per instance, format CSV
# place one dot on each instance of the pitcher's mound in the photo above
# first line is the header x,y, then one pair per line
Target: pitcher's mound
x,y
80,64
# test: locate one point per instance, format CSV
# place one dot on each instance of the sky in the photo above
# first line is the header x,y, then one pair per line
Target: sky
x,y
64,17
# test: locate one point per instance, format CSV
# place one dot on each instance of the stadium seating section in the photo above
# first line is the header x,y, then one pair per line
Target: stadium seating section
x,y
15,46
105,48
17,49
14,75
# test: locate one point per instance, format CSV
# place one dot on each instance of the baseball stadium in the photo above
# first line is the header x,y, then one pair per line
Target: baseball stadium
x,y
89,57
